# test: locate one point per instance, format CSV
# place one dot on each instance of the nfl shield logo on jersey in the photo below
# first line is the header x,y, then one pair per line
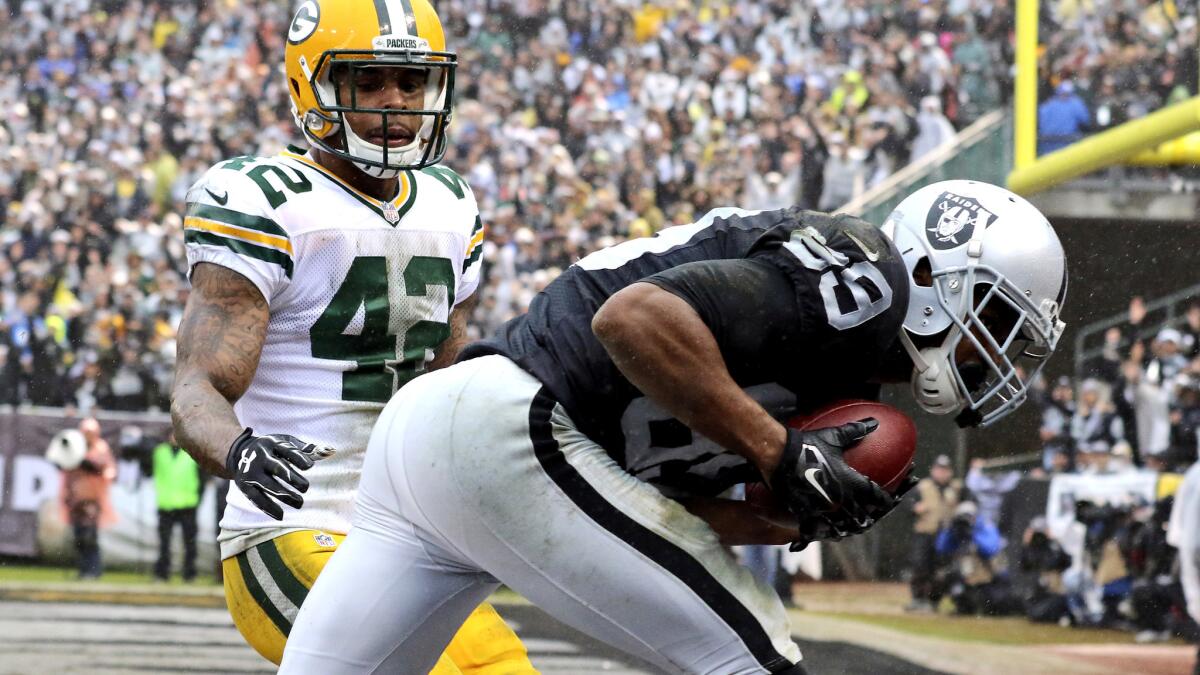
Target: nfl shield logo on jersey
x,y
390,213
323,539
953,219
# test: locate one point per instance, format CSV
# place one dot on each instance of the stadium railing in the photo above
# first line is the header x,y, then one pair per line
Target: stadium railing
x,y
1164,312
982,151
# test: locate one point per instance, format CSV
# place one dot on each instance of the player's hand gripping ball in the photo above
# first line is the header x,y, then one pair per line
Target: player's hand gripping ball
x,y
884,455
834,464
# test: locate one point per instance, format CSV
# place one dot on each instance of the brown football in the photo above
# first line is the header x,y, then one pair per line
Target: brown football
x,y
885,454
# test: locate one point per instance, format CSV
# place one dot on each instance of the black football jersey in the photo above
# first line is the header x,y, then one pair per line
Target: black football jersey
x,y
804,318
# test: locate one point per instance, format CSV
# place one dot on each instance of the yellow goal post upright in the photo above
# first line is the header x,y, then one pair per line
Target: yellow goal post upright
x,y
1136,141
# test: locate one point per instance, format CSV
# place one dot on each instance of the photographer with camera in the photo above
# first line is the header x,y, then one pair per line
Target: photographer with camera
x,y
1042,564
84,498
934,502
1100,579
968,564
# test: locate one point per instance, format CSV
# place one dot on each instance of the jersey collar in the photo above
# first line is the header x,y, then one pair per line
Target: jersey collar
x,y
391,210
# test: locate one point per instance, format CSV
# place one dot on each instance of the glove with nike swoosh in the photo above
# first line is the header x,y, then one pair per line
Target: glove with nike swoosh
x,y
827,528
267,469
830,499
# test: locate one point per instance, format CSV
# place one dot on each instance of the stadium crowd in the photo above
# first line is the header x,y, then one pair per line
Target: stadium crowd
x,y
1137,403
1105,63
577,124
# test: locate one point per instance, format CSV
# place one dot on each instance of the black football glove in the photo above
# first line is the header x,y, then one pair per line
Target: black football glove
x,y
267,469
830,499
825,528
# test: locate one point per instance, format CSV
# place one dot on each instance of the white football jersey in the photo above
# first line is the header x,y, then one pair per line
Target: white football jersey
x,y
360,293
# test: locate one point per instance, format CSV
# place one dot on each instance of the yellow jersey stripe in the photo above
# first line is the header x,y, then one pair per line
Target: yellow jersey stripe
x,y
475,241
249,236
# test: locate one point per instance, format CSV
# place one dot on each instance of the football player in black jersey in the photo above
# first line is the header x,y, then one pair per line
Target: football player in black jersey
x,y
579,456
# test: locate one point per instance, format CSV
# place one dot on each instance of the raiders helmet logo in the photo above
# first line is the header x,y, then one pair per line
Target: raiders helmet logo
x,y
305,22
952,220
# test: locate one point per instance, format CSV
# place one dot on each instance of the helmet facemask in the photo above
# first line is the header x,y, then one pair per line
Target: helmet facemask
x,y
429,144
1008,342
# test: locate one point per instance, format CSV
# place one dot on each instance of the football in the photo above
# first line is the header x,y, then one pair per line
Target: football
x,y
885,454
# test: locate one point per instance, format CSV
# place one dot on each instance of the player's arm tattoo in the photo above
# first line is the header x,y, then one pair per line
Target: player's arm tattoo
x,y
448,351
219,343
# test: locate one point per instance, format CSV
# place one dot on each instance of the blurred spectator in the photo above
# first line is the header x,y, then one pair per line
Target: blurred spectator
x,y
1191,331
933,129
934,501
1058,410
1134,328
967,549
1106,367
979,88
85,501
844,174
1152,393
772,191
1167,361
1095,428
1042,563
177,487
1062,119
988,490
1185,423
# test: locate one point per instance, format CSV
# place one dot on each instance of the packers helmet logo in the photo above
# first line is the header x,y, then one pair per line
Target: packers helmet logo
x,y
952,220
304,24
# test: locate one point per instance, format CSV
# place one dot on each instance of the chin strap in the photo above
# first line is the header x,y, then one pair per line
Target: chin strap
x,y
376,171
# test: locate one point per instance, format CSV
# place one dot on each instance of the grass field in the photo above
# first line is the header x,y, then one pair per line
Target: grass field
x,y
39,573
881,605
989,630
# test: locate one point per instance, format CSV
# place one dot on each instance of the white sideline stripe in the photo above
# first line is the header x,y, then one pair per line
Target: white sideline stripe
x,y
276,596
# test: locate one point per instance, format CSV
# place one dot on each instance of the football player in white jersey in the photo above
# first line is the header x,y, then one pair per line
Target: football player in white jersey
x,y
322,281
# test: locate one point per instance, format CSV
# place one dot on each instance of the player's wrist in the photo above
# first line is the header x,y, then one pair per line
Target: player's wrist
x,y
235,450
780,474
769,453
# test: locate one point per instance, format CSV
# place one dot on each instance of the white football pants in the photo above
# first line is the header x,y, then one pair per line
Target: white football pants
x,y
475,476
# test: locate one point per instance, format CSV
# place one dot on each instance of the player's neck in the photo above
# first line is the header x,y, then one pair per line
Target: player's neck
x,y
383,189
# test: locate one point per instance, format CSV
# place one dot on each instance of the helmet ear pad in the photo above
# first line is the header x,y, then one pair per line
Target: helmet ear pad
x,y
933,384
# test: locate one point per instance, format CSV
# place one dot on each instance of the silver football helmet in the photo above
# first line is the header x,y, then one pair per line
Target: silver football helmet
x,y
985,266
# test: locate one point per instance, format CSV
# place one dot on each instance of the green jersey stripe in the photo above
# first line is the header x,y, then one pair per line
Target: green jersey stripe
x,y
231,217
260,596
474,256
284,579
262,253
